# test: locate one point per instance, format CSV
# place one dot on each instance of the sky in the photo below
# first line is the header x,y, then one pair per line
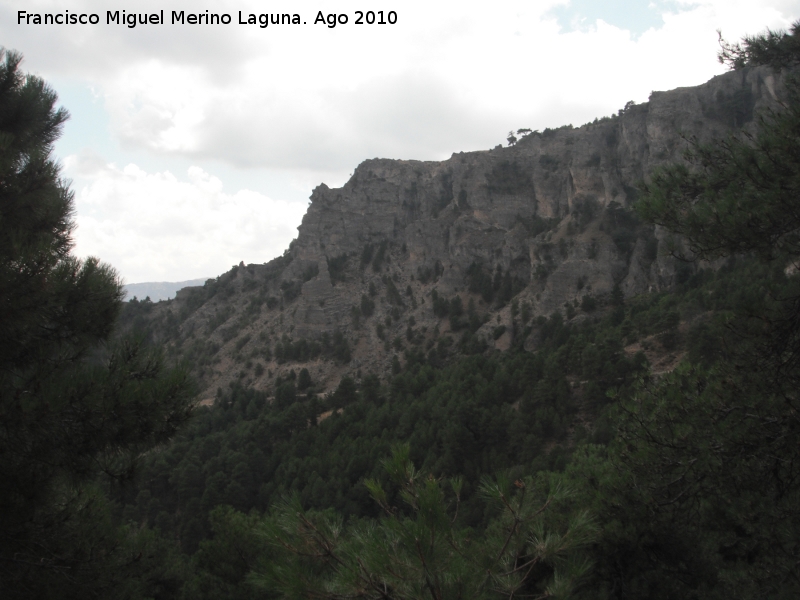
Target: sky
x,y
192,147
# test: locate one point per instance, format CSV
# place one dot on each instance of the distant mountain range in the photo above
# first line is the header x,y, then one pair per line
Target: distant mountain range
x,y
158,290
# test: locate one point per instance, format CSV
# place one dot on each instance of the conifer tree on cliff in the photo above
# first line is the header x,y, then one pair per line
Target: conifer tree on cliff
x,y
73,408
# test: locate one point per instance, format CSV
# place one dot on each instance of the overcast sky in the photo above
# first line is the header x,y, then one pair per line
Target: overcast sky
x,y
193,147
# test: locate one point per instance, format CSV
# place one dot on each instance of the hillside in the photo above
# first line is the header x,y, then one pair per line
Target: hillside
x,y
526,395
453,257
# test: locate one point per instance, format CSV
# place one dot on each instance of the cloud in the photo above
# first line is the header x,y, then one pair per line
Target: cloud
x,y
306,104
448,76
95,52
440,82
155,226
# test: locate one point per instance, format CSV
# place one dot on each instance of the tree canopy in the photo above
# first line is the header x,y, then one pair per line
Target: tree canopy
x,y
779,49
705,500
75,411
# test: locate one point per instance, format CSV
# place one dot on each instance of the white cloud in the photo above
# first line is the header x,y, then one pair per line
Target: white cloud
x,y
155,226
444,79
449,76
310,103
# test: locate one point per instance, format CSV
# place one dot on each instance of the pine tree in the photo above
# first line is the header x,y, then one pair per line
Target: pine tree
x,y
73,407
419,551
706,487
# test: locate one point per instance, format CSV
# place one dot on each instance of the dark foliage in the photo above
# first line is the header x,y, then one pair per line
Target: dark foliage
x,y
508,178
336,268
76,413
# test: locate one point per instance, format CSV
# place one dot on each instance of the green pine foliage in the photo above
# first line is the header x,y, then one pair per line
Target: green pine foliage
x,y
417,550
701,496
76,412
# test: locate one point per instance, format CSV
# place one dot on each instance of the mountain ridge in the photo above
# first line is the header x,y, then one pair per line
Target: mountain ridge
x,y
455,256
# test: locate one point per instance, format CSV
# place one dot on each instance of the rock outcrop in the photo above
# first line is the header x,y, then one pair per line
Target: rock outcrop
x,y
458,255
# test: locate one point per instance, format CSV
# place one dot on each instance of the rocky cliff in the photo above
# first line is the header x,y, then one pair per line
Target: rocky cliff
x,y
461,255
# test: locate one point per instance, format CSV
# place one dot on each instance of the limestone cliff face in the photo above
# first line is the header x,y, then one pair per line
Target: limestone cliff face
x,y
539,225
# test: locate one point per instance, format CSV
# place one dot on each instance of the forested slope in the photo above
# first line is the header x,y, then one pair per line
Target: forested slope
x,y
412,254
583,395
567,464
517,412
